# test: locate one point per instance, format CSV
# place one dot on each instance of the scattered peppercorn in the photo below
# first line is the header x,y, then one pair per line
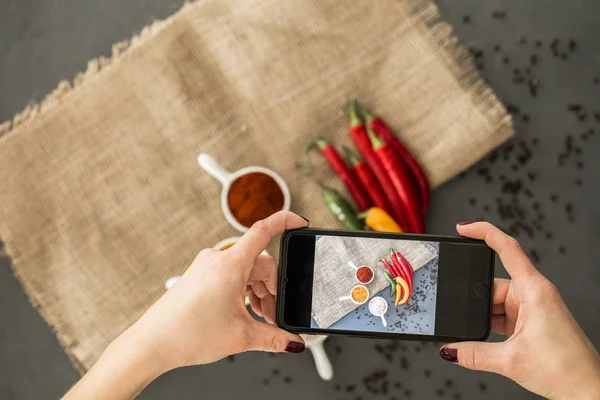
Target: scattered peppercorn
x,y
499,14
535,256
497,48
562,250
533,86
534,59
538,43
572,45
523,40
466,19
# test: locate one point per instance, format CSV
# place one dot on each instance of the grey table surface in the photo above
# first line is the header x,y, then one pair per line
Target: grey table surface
x,y
45,41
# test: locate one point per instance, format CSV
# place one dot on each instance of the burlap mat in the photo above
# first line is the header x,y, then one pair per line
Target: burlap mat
x,y
334,278
101,198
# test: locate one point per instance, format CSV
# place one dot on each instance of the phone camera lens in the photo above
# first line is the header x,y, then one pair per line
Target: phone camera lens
x,y
479,291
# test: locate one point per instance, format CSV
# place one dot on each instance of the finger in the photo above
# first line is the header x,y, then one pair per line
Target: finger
x,y
259,289
501,287
255,304
260,234
265,270
498,309
268,305
498,324
478,356
265,337
513,258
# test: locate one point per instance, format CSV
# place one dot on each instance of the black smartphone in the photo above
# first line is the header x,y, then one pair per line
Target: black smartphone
x,y
385,285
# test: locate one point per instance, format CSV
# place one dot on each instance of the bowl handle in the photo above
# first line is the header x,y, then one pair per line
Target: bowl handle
x,y
211,166
322,362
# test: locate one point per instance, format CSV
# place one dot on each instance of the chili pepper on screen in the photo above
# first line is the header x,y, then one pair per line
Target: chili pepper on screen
x,y
380,221
404,267
401,286
390,279
401,183
407,266
358,133
347,176
393,271
385,132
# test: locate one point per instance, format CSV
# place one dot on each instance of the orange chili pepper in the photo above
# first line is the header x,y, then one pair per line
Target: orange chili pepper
x,y
379,220
401,284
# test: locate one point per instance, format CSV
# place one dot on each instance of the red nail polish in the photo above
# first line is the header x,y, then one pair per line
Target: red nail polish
x,y
465,223
304,218
449,354
295,347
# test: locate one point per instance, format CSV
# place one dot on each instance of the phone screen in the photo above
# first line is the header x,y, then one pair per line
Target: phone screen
x,y
387,285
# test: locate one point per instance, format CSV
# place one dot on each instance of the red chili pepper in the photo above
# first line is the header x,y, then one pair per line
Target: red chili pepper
x,y
368,180
401,262
360,137
384,132
401,182
391,268
340,167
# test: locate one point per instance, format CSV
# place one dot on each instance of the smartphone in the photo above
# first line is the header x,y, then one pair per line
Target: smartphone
x,y
337,282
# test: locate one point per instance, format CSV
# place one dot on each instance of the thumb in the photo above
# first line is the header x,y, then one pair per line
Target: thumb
x,y
269,338
478,356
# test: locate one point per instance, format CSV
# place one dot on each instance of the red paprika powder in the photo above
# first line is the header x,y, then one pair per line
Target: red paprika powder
x,y
364,274
253,197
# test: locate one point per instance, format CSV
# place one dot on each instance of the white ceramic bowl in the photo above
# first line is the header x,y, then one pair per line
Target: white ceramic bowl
x,y
372,275
226,178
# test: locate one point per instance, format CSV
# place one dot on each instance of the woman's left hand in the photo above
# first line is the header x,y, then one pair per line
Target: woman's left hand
x,y
203,317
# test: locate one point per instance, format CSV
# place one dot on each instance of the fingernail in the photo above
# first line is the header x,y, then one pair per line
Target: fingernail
x,y
295,347
449,354
304,218
465,223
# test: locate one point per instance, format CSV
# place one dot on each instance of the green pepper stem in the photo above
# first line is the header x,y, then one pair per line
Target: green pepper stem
x,y
363,215
365,113
355,118
351,156
376,142
318,142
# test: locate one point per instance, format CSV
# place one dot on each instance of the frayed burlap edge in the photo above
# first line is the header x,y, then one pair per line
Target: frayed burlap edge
x,y
94,67
459,60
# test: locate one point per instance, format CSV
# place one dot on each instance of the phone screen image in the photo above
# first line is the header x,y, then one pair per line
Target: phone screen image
x,y
417,287
356,286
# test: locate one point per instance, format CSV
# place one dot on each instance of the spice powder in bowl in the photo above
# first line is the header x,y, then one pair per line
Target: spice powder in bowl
x,y
253,197
364,274
360,294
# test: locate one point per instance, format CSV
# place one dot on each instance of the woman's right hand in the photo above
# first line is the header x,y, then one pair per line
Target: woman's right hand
x,y
546,351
